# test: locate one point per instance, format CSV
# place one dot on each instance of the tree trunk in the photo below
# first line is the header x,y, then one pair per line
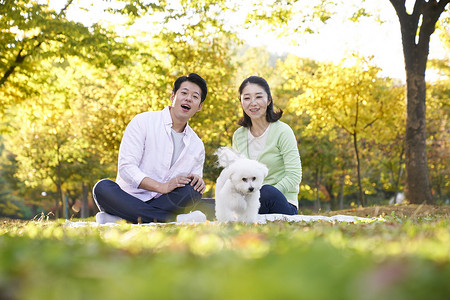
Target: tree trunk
x,y
60,194
59,198
59,185
399,175
416,29
317,206
84,202
361,200
341,191
417,178
317,202
332,202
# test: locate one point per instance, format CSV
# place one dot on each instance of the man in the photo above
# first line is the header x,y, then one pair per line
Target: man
x,y
160,163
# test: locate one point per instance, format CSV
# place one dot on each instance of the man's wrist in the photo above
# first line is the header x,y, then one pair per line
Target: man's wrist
x,y
160,188
152,185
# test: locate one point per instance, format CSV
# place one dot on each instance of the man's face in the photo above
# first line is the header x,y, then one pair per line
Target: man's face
x,y
186,101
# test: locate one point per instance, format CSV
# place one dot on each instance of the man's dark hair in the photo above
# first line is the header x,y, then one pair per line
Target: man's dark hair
x,y
194,78
271,116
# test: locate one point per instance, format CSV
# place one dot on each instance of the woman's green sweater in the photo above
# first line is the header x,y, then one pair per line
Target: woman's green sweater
x,y
281,157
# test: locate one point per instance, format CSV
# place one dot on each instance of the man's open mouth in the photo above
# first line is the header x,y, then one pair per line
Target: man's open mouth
x,y
185,107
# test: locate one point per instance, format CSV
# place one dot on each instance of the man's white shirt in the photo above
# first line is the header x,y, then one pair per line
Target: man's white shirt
x,y
147,148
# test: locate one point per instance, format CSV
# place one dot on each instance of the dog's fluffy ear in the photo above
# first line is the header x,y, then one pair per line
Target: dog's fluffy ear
x,y
226,156
266,171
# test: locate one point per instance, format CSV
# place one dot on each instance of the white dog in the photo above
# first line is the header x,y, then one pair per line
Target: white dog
x,y
237,188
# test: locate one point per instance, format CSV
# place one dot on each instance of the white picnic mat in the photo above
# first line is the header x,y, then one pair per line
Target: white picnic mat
x,y
262,219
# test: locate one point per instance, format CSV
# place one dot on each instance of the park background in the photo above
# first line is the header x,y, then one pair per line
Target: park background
x,y
74,73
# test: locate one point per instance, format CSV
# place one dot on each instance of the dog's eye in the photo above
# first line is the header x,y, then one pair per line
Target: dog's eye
x,y
254,178
244,179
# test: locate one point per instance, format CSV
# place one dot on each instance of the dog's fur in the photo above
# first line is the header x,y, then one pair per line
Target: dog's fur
x,y
237,188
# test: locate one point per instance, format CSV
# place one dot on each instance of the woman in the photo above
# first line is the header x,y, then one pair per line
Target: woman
x,y
266,139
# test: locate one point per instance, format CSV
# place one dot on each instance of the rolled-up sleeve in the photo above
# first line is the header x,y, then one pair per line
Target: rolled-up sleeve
x,y
292,163
131,152
198,167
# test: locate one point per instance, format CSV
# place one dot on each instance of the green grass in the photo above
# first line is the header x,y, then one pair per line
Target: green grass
x,y
400,258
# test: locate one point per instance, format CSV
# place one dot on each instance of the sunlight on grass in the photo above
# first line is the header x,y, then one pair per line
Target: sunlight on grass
x,y
278,260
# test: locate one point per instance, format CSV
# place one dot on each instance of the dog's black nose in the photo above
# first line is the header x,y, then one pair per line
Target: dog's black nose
x,y
251,189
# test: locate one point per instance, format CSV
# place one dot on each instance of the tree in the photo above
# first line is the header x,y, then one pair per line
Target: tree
x,y
43,146
31,31
416,29
8,196
352,98
46,133
438,128
290,76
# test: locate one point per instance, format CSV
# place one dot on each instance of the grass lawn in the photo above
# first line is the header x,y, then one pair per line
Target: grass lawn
x,y
407,256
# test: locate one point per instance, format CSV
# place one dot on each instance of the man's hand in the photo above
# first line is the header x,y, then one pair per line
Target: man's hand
x,y
197,182
174,183
164,188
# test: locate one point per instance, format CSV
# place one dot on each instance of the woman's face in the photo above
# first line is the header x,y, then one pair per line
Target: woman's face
x,y
254,101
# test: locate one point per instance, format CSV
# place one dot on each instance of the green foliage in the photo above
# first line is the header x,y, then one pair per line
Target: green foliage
x,y
31,32
7,197
12,204
349,96
290,17
438,128
401,259
438,137
347,103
